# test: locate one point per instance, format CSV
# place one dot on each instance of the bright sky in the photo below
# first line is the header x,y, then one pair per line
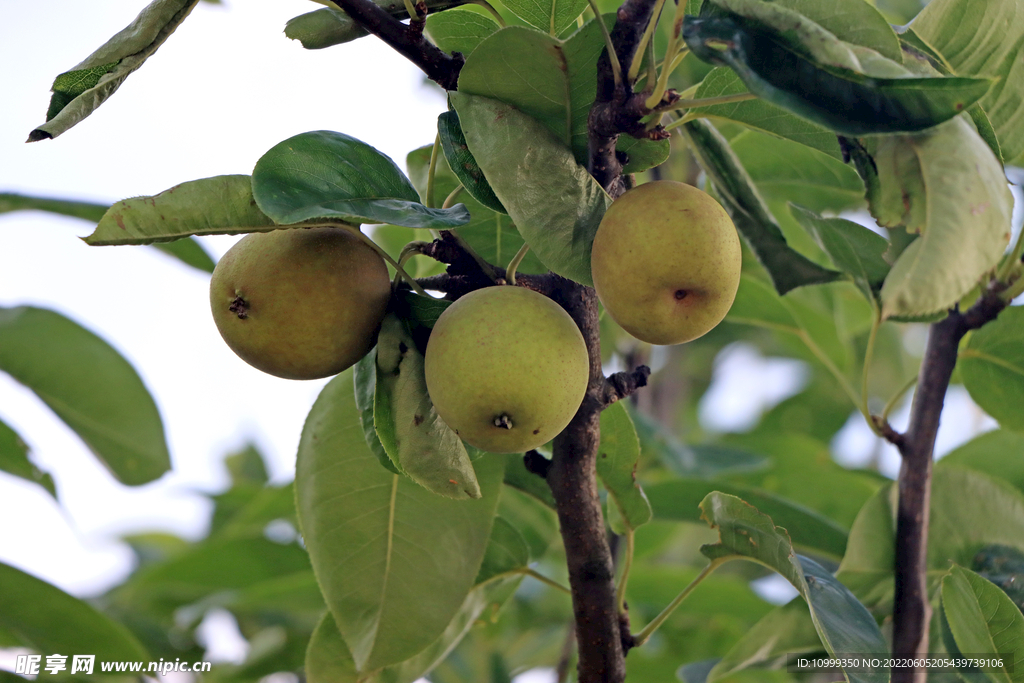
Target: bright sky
x,y
225,88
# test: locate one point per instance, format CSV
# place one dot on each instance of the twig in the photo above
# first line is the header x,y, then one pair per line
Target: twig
x,y
623,384
912,610
440,67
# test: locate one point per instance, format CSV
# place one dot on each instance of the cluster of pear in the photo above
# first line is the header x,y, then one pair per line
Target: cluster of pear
x,y
506,367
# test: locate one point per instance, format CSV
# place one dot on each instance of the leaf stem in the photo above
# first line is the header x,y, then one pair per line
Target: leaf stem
x,y
451,197
645,634
431,171
613,56
627,564
869,352
513,265
354,229
410,7
670,56
679,105
1012,259
830,366
896,397
526,571
634,67
490,8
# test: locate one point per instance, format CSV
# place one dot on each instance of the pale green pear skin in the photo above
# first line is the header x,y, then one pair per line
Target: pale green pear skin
x,y
666,262
300,303
506,368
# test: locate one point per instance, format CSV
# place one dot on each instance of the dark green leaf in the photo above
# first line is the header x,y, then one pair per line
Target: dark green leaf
x,y
983,38
365,382
1003,565
797,65
958,203
395,562
787,268
415,437
556,204
992,368
419,310
14,460
48,620
761,115
680,499
189,252
323,174
985,623
517,476
999,454
854,249
842,622
617,455
90,387
80,91
536,522
247,467
460,29
461,161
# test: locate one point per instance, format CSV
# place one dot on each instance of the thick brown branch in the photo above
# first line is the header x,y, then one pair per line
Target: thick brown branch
x,y
912,610
409,41
573,481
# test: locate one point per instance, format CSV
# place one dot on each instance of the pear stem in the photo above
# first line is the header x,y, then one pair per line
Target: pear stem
x,y
383,254
510,272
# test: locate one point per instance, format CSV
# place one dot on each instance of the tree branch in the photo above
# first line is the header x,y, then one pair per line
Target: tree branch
x,y
623,384
618,110
912,610
407,40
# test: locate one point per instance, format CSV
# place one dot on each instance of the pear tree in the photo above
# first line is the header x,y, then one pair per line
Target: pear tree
x,y
508,470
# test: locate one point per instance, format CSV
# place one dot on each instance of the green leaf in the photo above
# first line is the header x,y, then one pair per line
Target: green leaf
x,y
854,249
506,552
556,204
90,386
680,499
1003,565
756,304
969,510
784,170
783,57
323,174
460,29
462,163
394,561
761,115
188,251
553,81
517,476
328,659
999,454
364,375
491,234
48,620
80,91
985,623
992,368
330,26
787,268
786,630
553,17
842,622
14,460
415,437
210,206
617,457
960,205
983,38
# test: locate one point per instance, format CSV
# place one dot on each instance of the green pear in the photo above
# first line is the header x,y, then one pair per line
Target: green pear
x,y
300,303
666,262
506,368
